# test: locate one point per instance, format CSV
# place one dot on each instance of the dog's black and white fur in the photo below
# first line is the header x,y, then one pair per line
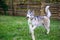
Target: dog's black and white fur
x,y
35,21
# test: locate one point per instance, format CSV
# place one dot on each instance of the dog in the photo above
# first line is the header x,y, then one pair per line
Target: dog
x,y
35,21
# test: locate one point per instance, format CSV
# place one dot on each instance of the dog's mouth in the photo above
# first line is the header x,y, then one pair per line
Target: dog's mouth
x,y
27,17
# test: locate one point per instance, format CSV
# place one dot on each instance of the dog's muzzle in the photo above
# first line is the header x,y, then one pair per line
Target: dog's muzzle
x,y
27,17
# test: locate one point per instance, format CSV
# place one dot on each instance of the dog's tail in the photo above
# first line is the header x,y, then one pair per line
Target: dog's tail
x,y
47,11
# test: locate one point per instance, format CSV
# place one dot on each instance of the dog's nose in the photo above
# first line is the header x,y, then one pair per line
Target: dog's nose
x,y
27,17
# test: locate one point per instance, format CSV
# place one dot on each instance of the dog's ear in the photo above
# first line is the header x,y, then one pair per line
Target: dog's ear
x,y
33,12
28,11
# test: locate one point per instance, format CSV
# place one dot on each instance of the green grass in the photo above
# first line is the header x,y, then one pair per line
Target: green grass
x,y
16,28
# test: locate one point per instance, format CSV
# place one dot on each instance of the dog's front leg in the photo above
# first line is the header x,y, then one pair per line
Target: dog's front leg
x,y
32,32
30,28
34,27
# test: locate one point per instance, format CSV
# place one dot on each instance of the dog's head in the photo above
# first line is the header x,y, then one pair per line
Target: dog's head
x,y
30,14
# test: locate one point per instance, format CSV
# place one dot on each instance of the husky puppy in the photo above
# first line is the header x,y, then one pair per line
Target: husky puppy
x,y
35,21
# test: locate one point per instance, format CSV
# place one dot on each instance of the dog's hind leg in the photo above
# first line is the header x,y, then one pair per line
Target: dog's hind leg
x,y
47,26
48,30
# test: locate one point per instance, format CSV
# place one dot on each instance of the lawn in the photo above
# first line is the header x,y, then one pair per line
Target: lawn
x,y
16,28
